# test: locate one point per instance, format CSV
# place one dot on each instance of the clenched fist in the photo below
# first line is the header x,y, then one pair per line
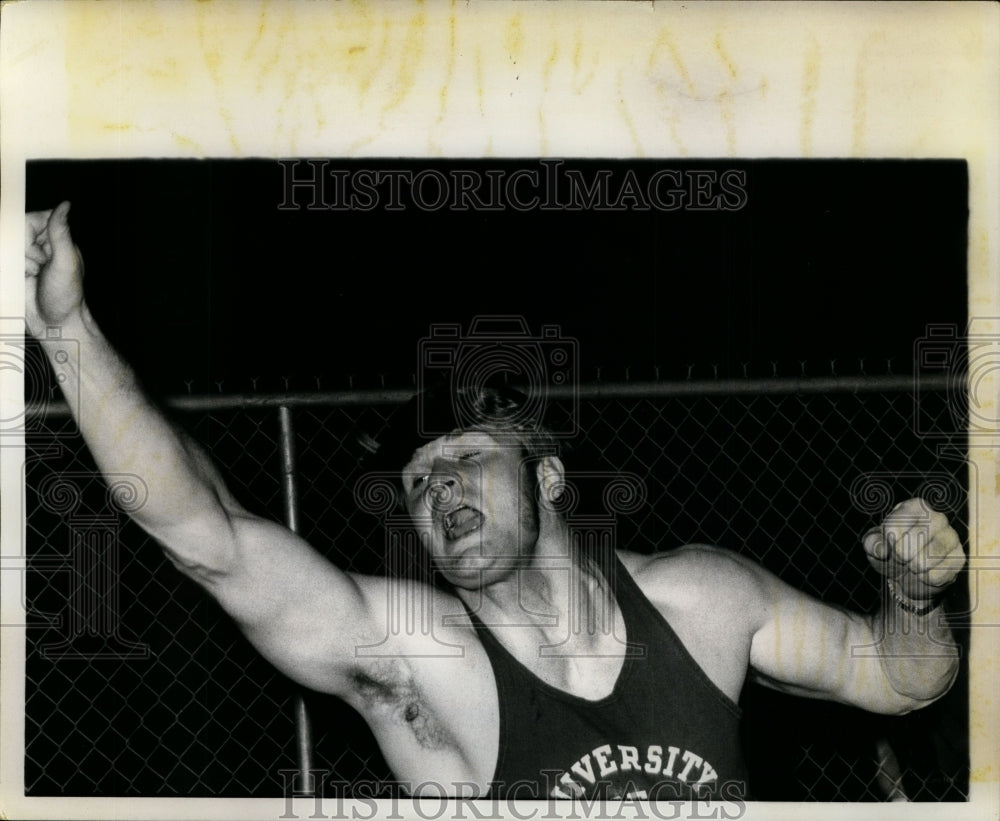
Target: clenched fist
x,y
916,550
53,271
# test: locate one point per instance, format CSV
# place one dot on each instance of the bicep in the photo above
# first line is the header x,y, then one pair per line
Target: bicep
x,y
805,647
305,615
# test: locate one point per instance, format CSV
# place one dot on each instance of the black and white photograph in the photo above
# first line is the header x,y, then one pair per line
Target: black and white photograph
x,y
710,354
383,483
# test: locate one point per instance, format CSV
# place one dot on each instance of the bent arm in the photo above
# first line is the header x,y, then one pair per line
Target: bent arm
x,y
899,659
764,629
889,662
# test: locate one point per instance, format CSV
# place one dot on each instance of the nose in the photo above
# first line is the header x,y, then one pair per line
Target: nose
x,y
444,491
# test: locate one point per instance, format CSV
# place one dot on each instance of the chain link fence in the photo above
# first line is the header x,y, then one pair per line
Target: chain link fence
x,y
138,685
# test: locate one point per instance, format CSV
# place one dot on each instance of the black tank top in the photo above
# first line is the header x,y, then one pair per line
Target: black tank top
x,y
665,731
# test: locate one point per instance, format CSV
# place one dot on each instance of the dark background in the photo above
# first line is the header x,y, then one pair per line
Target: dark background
x,y
197,276
207,287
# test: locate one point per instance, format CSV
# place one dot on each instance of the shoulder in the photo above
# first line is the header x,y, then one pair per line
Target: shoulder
x,y
700,577
690,564
713,601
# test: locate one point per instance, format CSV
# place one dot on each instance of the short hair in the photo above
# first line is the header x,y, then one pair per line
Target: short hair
x,y
494,408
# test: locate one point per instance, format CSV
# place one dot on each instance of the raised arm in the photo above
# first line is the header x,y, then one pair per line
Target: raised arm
x,y
125,432
279,590
899,659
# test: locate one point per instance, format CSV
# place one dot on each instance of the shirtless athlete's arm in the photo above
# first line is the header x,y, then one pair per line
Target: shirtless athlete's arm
x,y
301,612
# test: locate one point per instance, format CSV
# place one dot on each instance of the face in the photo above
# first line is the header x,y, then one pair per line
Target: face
x,y
471,502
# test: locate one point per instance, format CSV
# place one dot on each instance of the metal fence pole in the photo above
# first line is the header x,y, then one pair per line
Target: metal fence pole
x,y
289,485
777,386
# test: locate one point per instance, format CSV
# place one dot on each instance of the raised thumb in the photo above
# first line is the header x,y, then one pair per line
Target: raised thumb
x,y
58,226
64,253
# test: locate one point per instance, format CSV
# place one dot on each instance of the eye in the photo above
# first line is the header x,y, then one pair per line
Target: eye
x,y
414,483
472,454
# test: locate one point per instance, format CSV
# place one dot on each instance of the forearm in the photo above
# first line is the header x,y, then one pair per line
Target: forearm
x,y
889,662
127,434
918,653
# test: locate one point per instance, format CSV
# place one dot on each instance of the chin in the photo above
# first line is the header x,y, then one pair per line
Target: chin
x,y
473,570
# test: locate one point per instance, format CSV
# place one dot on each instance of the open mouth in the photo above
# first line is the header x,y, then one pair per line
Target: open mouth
x,y
460,522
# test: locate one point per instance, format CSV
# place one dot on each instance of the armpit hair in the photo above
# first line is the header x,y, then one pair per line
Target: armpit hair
x,y
388,686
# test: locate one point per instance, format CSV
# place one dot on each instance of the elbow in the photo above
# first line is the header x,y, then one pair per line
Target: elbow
x,y
904,705
203,550
915,695
206,570
901,706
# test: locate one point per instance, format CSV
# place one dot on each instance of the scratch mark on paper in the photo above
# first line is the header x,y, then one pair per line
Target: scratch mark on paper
x,y
666,40
861,95
449,69
626,115
480,92
729,64
185,142
411,54
724,99
810,84
212,57
580,79
514,38
550,64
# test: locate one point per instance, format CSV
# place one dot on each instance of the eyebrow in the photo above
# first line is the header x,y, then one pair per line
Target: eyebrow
x,y
452,440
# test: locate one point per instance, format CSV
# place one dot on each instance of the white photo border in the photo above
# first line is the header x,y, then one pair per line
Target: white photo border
x,y
533,79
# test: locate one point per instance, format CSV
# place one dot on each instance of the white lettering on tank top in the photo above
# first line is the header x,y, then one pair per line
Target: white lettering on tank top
x,y
625,758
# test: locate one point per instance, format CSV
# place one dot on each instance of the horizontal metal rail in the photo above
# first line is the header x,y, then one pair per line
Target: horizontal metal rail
x,y
590,390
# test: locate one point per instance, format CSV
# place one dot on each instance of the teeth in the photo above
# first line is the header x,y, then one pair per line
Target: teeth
x,y
457,521
449,520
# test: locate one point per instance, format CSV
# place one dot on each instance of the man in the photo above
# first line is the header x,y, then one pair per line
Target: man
x,y
640,701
